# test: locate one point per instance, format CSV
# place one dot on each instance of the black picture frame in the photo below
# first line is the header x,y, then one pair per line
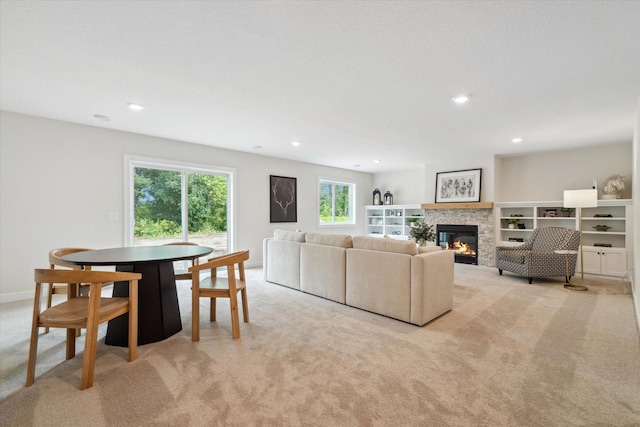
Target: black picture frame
x,y
283,199
458,186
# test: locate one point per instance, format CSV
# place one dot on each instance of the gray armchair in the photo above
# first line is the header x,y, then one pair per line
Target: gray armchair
x,y
536,257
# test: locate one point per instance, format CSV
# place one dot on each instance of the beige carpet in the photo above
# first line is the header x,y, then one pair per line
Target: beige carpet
x,y
508,354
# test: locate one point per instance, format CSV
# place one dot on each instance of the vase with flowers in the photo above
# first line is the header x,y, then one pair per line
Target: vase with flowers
x,y
613,187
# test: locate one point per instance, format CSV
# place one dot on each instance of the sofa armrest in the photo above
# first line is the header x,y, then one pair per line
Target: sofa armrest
x,y
265,257
431,285
282,262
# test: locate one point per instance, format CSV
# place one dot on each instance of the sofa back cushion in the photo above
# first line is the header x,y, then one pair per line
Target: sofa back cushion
x,y
339,240
293,236
385,245
548,239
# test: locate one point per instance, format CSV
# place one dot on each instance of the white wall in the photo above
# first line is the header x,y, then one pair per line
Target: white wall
x,y
59,180
544,176
635,275
407,187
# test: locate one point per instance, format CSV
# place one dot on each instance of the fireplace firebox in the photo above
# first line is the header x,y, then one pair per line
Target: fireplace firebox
x,y
463,239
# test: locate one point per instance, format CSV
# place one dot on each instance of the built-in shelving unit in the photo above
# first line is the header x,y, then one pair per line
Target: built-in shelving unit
x,y
392,220
605,252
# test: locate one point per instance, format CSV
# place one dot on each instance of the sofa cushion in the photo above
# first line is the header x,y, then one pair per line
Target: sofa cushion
x,y
339,240
293,236
385,245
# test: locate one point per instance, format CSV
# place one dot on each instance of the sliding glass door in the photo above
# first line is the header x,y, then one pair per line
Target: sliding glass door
x,y
172,203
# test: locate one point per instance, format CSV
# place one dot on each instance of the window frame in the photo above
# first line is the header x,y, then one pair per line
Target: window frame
x,y
352,200
132,162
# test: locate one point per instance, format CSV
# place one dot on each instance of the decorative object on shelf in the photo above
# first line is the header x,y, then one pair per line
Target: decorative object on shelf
x,y
282,199
580,199
550,213
423,233
603,216
516,239
516,215
601,227
612,187
603,245
388,198
521,226
511,222
458,186
377,198
566,212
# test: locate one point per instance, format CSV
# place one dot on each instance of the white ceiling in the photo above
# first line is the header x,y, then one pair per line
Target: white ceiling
x,y
353,81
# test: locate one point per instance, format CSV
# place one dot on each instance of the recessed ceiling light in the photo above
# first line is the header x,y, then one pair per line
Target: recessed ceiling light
x,y
295,143
516,140
460,99
135,107
377,161
102,117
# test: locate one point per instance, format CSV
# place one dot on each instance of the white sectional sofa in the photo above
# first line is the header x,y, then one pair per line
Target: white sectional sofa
x,y
384,276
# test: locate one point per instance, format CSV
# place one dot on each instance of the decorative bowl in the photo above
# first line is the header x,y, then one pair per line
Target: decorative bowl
x,y
601,227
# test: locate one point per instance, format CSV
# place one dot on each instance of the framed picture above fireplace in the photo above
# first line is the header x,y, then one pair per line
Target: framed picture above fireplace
x,y
458,186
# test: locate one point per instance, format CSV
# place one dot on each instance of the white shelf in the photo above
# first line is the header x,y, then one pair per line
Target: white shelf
x,y
391,220
620,253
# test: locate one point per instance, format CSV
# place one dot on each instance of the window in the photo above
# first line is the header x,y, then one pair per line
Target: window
x,y
335,201
171,201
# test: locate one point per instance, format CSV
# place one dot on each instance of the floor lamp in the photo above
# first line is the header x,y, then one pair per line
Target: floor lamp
x,y
580,199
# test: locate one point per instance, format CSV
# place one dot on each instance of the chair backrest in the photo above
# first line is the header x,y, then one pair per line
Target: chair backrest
x,y
571,240
227,260
183,274
44,275
548,239
56,254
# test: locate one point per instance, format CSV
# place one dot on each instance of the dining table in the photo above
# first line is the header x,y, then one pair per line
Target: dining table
x,y
158,306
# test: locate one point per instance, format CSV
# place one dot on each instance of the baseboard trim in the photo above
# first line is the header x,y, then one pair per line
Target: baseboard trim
x,y
16,296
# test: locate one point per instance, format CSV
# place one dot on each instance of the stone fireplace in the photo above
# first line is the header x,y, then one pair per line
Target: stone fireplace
x,y
474,214
461,239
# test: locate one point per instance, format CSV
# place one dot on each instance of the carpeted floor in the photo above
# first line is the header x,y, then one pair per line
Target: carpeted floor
x,y
508,353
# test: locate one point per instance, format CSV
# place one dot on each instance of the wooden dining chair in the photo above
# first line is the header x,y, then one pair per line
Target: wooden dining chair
x,y
180,274
75,313
213,287
57,288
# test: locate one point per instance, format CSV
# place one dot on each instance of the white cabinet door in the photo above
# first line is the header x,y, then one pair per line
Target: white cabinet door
x,y
614,262
607,261
591,261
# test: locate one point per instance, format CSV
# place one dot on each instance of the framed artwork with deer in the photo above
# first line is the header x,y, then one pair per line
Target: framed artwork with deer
x,y
283,199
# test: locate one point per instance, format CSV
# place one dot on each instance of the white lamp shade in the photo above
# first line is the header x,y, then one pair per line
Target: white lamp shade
x,y
581,198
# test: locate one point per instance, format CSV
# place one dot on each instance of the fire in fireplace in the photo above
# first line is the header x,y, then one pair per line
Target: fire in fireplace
x,y
463,239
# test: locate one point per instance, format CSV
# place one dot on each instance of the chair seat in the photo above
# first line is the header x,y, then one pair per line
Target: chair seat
x,y
218,286
73,313
514,256
182,275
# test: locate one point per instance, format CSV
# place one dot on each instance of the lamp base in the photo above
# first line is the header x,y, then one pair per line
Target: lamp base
x,y
573,287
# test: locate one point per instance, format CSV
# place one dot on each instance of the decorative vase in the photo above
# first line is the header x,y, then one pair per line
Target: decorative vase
x,y
377,198
511,226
